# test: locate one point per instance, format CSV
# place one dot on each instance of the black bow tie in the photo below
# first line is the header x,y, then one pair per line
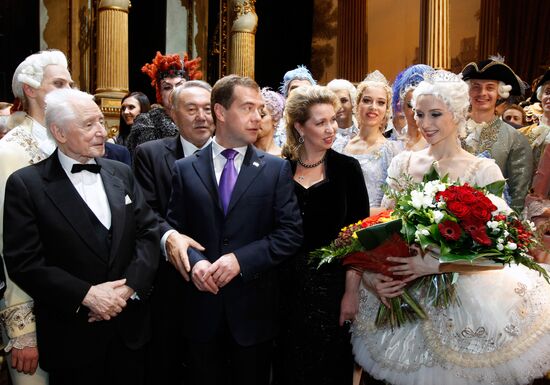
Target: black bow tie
x,y
77,167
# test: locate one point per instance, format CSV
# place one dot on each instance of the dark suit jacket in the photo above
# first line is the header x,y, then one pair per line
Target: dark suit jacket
x,y
153,163
117,152
51,251
262,227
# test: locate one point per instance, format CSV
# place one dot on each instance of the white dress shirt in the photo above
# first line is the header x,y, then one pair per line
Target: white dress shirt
x,y
189,148
90,187
220,160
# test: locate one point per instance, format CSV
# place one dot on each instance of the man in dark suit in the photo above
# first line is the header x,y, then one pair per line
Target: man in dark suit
x,y
238,203
153,163
117,152
82,241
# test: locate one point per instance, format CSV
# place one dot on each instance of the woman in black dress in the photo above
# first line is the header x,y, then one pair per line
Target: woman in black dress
x,y
314,347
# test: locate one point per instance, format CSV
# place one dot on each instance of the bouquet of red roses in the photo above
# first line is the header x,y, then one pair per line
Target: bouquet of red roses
x,y
462,223
467,224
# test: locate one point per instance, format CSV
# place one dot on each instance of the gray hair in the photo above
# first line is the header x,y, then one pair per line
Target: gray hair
x,y
61,106
343,84
31,70
189,84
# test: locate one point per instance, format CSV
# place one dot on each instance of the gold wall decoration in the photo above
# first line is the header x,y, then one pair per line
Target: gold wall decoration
x,y
434,23
244,7
112,58
243,38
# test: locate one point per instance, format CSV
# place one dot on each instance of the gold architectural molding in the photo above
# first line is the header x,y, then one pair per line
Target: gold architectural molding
x,y
434,21
243,38
112,57
244,7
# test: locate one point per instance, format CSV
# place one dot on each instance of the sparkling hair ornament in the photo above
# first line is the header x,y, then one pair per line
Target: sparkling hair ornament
x,y
274,102
406,81
300,73
451,89
374,80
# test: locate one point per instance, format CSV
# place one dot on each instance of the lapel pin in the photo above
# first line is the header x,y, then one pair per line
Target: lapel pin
x,y
256,164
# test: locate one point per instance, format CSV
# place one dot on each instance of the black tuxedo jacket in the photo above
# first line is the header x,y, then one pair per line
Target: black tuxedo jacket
x,y
262,227
52,252
153,164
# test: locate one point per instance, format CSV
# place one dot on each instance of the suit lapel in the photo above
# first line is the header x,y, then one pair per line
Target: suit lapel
x,y
175,152
65,197
114,189
204,167
250,169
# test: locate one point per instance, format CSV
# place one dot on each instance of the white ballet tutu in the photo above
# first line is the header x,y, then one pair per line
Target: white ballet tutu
x,y
499,333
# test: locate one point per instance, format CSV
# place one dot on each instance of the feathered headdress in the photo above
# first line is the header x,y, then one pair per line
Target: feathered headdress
x,y
168,66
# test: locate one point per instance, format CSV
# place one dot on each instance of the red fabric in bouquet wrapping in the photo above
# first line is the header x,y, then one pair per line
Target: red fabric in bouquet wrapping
x,y
374,260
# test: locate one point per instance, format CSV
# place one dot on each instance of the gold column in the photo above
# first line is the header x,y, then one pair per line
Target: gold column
x,y
488,28
434,33
112,58
352,45
243,38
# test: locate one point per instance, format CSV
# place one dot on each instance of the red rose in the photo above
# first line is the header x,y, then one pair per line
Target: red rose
x,y
478,232
467,197
448,195
450,230
481,213
482,238
459,209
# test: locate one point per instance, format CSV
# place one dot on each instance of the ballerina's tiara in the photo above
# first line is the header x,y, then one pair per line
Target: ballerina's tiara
x,y
376,76
442,76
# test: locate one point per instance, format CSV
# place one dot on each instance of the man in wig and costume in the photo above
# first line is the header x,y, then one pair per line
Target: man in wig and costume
x,y
488,135
166,73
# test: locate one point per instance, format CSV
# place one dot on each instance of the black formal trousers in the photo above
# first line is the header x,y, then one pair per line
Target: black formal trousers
x,y
223,361
119,366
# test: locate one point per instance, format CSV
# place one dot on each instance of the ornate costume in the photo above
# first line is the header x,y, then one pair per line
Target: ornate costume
x,y
28,143
510,150
498,334
374,166
151,125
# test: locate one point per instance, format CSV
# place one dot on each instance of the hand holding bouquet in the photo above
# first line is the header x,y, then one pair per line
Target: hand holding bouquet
x,y
466,224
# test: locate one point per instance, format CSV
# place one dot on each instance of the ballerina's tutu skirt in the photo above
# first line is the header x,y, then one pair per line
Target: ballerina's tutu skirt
x,y
497,333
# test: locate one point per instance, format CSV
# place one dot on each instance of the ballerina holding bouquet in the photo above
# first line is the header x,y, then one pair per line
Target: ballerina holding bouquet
x,y
494,329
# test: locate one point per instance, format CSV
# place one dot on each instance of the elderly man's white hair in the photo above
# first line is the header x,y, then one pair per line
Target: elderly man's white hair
x,y
343,84
61,105
31,70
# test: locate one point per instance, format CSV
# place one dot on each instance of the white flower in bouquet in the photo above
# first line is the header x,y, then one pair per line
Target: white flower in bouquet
x,y
438,216
502,206
511,246
419,200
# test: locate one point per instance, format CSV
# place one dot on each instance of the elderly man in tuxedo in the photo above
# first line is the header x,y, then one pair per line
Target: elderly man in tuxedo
x,y
238,203
82,241
26,144
153,163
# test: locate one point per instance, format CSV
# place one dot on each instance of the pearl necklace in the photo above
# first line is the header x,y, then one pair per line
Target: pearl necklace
x,y
311,165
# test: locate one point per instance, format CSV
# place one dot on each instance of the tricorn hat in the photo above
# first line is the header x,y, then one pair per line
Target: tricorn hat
x,y
545,78
493,70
